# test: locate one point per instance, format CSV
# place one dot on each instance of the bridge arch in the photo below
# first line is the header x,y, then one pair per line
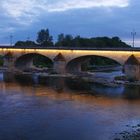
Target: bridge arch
x,y
27,61
75,64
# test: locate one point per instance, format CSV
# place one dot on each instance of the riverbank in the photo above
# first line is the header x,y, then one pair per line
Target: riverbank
x,y
99,78
107,78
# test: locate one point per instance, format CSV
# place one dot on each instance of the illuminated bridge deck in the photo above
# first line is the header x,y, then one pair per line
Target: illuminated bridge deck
x,y
71,55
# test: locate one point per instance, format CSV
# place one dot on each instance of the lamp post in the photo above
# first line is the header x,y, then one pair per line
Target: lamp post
x,y
11,40
133,36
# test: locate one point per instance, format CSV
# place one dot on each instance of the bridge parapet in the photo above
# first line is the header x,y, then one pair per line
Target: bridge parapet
x,y
72,48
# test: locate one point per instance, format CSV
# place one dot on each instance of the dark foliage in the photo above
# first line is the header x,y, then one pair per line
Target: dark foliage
x,y
25,43
42,61
102,42
44,38
97,61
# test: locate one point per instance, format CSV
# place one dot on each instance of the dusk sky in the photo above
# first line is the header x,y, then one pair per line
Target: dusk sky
x,y
87,18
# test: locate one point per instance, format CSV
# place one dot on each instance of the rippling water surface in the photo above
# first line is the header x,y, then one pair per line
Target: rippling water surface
x,y
33,108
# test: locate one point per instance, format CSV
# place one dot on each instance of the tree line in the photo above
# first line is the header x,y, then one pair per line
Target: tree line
x,y
44,39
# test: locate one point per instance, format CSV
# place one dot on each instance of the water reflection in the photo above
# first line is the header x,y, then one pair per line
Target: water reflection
x,y
60,84
33,107
132,92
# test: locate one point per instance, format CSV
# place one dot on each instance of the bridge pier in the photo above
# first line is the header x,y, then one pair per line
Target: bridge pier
x,y
9,60
59,65
132,68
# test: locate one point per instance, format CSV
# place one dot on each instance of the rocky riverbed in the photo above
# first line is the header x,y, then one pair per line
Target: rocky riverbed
x,y
108,78
133,133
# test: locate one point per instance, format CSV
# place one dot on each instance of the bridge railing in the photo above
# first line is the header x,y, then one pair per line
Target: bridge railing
x,y
72,48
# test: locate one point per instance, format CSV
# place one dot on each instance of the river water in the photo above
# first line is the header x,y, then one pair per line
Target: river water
x,y
33,108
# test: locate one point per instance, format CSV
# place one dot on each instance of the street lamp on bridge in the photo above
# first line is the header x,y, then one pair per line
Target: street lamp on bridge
x,y
11,40
133,36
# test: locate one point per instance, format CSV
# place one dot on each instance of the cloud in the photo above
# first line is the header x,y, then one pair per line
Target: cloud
x,y
21,11
64,5
23,17
26,11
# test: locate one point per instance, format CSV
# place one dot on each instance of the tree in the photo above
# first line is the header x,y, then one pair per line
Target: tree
x,y
26,43
98,42
76,41
117,39
60,40
64,40
44,38
68,41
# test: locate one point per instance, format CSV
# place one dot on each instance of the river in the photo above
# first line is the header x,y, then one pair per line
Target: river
x,y
33,108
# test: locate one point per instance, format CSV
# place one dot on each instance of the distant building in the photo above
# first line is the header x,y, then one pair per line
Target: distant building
x,y
132,68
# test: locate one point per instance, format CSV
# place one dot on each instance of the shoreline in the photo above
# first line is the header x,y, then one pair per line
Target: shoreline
x,y
104,78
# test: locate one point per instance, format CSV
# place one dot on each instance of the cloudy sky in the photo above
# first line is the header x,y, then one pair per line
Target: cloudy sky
x,y
87,18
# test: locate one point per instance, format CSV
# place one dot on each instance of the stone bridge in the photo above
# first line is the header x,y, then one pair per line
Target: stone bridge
x,y
63,59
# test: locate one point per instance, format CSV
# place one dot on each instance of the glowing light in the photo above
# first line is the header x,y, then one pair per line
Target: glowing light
x,y
67,51
120,56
